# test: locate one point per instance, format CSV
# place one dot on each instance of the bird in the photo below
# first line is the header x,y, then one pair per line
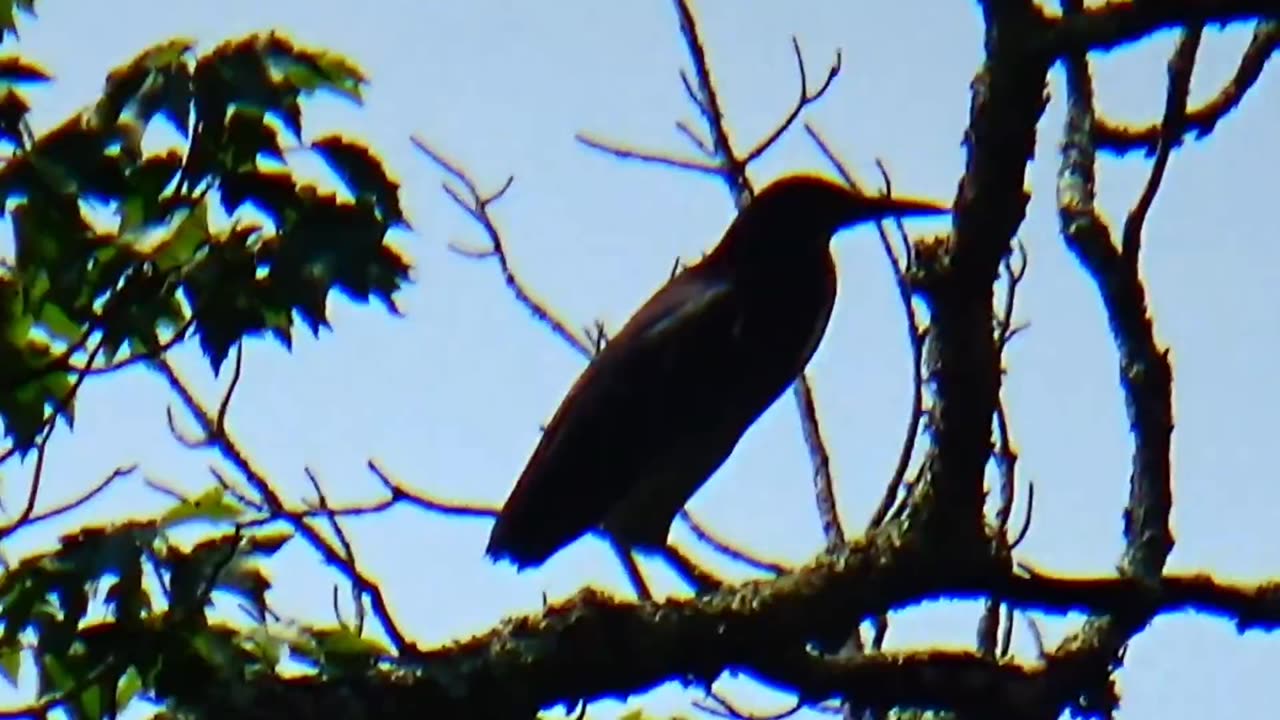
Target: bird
x,y
665,401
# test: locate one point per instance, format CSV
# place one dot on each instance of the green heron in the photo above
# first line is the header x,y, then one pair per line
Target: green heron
x,y
663,404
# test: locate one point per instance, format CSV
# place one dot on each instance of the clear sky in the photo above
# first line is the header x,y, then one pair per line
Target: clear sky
x,y
450,398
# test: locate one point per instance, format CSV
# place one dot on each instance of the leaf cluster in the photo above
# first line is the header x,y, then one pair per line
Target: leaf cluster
x,y
123,612
122,250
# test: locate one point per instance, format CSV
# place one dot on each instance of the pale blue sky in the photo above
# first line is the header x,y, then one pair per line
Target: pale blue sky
x,y
450,397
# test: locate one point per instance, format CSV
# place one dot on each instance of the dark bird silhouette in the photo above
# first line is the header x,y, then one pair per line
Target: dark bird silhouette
x,y
663,404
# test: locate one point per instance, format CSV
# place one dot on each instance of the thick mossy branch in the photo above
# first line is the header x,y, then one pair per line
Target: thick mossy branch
x,y
963,364
594,646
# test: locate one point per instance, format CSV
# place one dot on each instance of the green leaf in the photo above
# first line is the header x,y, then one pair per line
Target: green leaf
x,y
248,136
363,175
16,70
315,70
227,299
249,582
8,24
269,648
53,319
213,505
337,651
128,688
190,235
145,204
144,304
56,677
33,382
335,245
157,80
264,545
74,158
343,641
91,700
272,192
13,114
11,660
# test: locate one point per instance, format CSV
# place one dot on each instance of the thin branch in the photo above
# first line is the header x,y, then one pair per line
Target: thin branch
x,y
477,206
806,99
220,420
1181,65
348,551
1027,514
1109,25
1015,269
1202,120
400,493
727,549
624,153
220,439
120,472
696,140
823,484
732,169
915,336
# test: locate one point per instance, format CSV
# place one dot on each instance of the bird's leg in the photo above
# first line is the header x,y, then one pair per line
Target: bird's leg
x,y
632,569
698,580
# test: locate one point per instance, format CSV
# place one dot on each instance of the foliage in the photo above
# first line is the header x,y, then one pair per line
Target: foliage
x,y
118,252
157,634
123,251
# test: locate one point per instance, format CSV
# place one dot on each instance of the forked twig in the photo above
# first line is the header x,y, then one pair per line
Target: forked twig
x,y
477,206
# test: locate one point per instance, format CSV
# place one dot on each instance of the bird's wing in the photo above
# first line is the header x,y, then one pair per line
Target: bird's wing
x,y
612,421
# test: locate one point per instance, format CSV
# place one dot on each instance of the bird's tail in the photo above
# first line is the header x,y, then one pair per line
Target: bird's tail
x,y
523,544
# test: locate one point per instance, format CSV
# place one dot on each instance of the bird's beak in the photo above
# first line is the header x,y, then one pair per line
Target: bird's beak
x,y
875,208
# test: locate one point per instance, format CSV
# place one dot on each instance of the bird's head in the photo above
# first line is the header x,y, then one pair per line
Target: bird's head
x,y
799,214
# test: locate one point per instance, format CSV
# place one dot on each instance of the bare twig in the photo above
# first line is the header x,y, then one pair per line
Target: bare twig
x,y
220,439
1202,120
1025,527
823,485
1181,65
732,168
1015,269
915,335
344,542
806,99
78,502
477,206
401,493
995,628
232,384
624,153
727,549
694,139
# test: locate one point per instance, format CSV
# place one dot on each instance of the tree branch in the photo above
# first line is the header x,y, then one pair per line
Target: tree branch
x,y
956,277
1115,23
1202,120
1145,376
534,662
